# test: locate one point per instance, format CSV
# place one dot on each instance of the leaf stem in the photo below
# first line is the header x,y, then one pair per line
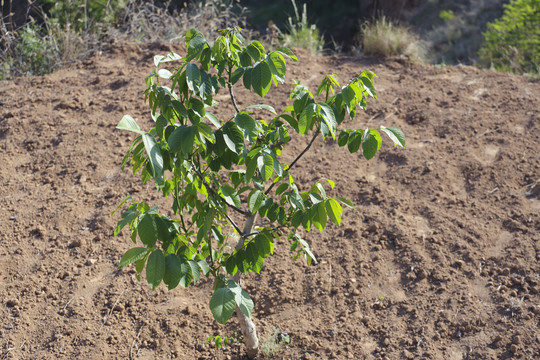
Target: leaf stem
x,y
297,158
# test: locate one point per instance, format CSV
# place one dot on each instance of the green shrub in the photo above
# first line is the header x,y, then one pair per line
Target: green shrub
x,y
27,52
512,43
85,15
384,38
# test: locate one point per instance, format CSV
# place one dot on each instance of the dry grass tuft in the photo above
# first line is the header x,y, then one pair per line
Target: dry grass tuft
x,y
383,38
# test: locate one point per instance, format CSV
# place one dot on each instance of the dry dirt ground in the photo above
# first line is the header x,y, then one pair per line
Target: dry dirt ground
x,y
439,261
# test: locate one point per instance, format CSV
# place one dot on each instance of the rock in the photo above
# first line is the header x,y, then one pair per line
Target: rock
x,y
514,348
12,302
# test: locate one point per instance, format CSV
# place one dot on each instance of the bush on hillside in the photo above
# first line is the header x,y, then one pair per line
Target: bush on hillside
x,y
512,43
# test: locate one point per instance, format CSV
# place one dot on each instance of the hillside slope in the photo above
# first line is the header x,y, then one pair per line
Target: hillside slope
x,y
440,259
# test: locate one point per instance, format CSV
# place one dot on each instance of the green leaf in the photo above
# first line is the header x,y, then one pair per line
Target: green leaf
x,y
251,165
197,107
204,267
154,155
371,143
193,76
164,74
307,250
346,202
230,196
182,138
277,165
263,106
186,276
195,270
128,123
196,45
261,78
179,108
241,297
306,118
349,98
127,216
247,125
236,75
355,139
291,121
213,119
254,51
173,271
132,255
147,230
253,258
277,65
319,216
288,52
395,134
264,244
265,165
205,88
233,137
222,304
334,211
343,138
255,200
246,79
281,188
206,132
155,268
329,118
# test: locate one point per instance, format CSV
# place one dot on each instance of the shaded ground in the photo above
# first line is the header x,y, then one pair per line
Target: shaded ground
x,y
440,260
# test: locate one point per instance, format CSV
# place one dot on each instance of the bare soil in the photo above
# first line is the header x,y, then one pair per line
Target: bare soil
x,y
439,261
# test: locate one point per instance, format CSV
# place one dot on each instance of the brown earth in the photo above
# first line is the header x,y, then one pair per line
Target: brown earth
x,y
439,261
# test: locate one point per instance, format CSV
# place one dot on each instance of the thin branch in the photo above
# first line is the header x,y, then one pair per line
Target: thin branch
x,y
233,99
297,158
235,226
243,212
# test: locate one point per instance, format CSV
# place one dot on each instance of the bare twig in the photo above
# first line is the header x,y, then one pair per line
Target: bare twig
x,y
133,344
11,349
111,310
487,132
65,306
7,352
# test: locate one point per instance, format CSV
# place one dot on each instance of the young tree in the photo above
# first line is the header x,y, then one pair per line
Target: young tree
x,y
219,172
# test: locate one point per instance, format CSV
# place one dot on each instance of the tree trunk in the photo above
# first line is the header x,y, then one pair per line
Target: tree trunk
x,y
247,325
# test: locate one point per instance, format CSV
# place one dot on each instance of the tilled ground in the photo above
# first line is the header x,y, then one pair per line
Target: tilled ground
x,y
439,261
